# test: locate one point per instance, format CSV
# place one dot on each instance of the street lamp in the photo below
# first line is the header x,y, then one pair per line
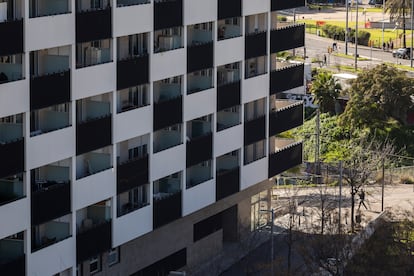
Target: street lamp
x,y
272,212
411,17
346,28
356,37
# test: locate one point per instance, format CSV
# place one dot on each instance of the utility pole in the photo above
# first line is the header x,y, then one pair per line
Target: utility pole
x,y
317,169
383,19
346,28
340,197
383,184
411,17
356,37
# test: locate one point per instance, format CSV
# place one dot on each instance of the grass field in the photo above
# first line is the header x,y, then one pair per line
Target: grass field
x,y
376,34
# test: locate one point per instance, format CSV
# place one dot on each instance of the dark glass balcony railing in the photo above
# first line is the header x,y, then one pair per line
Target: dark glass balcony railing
x,y
14,266
167,209
286,78
93,241
132,173
199,149
167,113
277,5
284,159
295,33
227,183
12,37
132,72
50,89
93,134
93,25
228,95
285,119
255,45
254,130
200,56
168,14
12,158
229,8
50,200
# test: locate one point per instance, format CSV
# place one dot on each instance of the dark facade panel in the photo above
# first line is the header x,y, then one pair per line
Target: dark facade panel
x,y
207,226
167,210
49,203
200,57
255,45
286,78
199,149
229,8
168,14
255,130
295,35
285,159
93,134
48,90
93,241
132,174
227,183
93,25
288,118
168,113
12,158
132,72
163,267
16,267
11,33
277,5
228,95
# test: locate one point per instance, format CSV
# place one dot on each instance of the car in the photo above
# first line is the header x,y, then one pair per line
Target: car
x,y
404,53
376,3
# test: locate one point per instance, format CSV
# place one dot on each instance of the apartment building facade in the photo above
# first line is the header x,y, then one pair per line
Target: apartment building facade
x,y
133,133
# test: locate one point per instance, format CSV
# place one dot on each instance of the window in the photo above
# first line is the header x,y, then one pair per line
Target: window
x,y
113,256
95,264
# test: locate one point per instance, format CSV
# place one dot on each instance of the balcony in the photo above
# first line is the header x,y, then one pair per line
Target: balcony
x,y
227,182
254,130
93,24
93,162
228,95
286,115
133,199
286,78
167,138
12,157
295,33
198,174
132,72
94,238
255,44
167,208
50,89
168,14
93,134
40,8
12,33
12,257
229,28
167,113
199,81
229,117
287,154
12,69
50,199
125,3
278,5
51,232
229,8
11,188
200,56
131,174
199,149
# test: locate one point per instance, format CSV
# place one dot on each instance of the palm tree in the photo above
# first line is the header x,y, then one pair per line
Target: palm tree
x,y
398,10
326,90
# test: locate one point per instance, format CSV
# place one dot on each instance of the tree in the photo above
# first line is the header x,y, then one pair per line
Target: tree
x,y
326,90
376,96
365,157
398,10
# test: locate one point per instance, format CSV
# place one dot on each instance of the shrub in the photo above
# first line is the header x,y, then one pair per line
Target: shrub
x,y
407,179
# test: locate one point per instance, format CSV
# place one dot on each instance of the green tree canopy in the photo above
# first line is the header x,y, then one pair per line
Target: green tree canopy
x,y
326,89
377,96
